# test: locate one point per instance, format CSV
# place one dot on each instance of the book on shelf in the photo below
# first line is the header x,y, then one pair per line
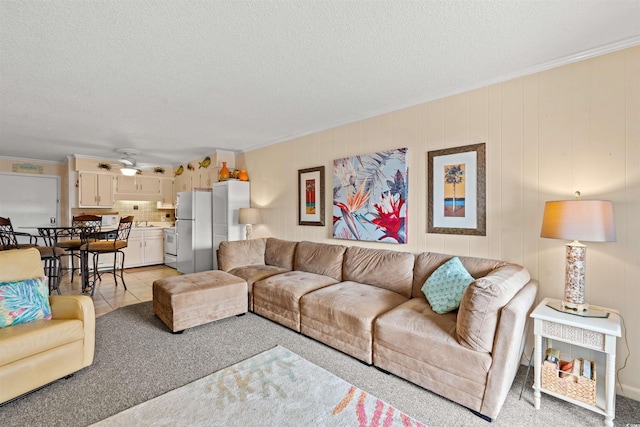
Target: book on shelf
x,y
587,369
553,355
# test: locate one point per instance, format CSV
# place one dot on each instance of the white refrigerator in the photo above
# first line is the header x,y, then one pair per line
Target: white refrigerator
x,y
193,232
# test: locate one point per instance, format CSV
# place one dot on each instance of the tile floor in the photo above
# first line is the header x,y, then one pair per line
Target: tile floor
x,y
108,296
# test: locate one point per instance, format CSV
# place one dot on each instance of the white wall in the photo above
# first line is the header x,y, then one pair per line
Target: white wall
x,y
576,127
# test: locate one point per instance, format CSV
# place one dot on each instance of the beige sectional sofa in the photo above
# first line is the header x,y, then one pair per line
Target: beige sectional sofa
x,y
368,303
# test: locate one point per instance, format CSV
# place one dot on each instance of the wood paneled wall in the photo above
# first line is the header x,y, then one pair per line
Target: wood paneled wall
x,y
575,127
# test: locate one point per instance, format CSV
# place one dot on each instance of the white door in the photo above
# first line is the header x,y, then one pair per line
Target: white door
x,y
29,200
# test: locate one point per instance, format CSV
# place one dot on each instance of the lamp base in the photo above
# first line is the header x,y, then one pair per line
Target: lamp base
x,y
566,305
574,276
589,312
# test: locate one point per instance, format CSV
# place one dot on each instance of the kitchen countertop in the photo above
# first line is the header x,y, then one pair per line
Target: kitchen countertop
x,y
152,226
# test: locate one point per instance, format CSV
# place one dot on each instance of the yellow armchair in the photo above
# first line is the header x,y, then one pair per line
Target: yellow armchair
x,y
37,353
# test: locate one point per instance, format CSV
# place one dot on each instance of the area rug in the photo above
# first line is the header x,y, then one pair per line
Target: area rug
x,y
274,388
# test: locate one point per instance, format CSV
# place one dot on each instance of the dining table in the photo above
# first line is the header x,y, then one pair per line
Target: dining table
x,y
51,234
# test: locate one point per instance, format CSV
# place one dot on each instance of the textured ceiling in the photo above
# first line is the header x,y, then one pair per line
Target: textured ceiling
x,y
180,79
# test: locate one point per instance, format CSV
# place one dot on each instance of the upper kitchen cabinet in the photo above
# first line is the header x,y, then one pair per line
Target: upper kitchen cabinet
x,y
204,179
167,193
182,183
138,187
95,190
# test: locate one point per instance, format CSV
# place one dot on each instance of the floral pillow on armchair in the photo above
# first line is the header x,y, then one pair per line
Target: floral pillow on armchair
x,y
24,301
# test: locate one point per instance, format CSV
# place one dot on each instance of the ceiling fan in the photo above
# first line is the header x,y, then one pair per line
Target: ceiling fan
x,y
128,164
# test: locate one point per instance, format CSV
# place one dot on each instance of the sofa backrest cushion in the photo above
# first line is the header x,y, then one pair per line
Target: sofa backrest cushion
x,y
428,262
482,303
391,270
280,253
240,253
319,258
20,264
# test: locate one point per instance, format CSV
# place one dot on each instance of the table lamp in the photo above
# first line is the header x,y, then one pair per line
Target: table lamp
x,y
586,220
249,216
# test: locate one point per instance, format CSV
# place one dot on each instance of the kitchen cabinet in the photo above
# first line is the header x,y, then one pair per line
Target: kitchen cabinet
x,y
228,198
182,183
204,179
167,193
153,247
95,190
134,252
145,247
138,185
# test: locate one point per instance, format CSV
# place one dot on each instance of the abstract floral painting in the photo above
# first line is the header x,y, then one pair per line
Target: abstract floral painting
x,y
370,197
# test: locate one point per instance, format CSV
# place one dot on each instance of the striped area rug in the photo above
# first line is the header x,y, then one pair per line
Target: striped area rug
x,y
274,388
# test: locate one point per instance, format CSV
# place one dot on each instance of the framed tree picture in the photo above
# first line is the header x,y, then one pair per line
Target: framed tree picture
x,y
457,191
311,196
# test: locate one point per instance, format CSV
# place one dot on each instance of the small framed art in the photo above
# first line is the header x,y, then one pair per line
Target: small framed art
x,y
311,196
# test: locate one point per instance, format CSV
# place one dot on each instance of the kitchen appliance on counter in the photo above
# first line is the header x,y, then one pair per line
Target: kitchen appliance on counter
x,y
170,247
194,250
110,221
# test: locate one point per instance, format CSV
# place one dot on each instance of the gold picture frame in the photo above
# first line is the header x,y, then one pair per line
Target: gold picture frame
x,y
457,191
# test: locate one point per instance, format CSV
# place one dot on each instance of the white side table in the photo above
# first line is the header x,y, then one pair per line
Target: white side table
x,y
593,333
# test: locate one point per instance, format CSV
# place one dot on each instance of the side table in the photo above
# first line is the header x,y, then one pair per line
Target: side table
x,y
588,332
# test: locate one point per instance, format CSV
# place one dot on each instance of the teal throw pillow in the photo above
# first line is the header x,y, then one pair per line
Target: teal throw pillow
x,y
445,287
24,301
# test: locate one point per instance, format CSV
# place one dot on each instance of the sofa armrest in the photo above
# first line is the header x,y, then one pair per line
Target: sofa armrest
x,y
507,348
77,307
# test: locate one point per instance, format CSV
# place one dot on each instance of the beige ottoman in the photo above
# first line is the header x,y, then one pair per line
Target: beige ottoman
x,y
190,300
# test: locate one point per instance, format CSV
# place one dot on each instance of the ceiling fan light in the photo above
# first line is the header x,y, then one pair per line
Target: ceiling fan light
x,y
129,171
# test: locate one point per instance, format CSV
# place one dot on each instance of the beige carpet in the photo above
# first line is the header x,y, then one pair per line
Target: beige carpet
x,y
276,387
138,359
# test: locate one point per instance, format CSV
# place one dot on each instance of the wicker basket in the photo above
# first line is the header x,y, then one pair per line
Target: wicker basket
x,y
578,388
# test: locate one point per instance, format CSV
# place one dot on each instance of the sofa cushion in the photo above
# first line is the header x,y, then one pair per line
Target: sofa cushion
x,y
280,253
444,288
427,262
320,258
255,273
392,270
278,297
24,340
238,253
482,302
24,301
20,264
342,316
420,345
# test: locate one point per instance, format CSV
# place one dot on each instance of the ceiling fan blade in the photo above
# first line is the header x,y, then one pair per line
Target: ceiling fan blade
x,y
127,161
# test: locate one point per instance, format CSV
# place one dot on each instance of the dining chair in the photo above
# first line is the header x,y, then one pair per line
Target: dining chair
x,y
8,239
114,242
84,229
49,255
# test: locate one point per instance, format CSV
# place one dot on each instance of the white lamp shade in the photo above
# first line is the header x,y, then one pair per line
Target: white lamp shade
x,y
249,216
586,220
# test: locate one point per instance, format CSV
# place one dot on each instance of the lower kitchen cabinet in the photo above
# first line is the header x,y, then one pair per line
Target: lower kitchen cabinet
x,y
134,252
145,247
153,247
